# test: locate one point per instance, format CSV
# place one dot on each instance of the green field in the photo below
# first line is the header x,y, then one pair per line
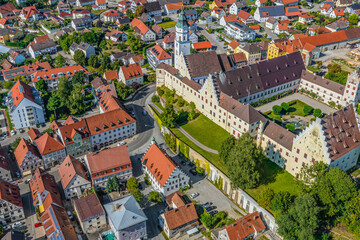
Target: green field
x,y
206,132
277,179
167,24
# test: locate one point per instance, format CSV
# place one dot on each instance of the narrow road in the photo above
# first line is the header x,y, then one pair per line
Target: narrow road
x,y
214,41
190,137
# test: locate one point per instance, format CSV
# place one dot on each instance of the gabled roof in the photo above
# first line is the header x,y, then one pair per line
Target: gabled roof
x,y
326,7
20,91
111,75
174,6
243,15
169,38
245,227
132,71
274,11
111,13
201,45
224,3
70,168
22,149
324,39
55,73
125,213
68,131
159,164
48,144
156,28
279,135
88,207
292,11
10,193
234,44
230,18
139,26
287,2
152,6
180,216
159,52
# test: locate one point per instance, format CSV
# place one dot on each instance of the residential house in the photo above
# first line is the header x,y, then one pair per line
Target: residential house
x,y
74,177
252,52
34,134
9,34
82,3
232,47
44,191
122,20
354,8
343,3
337,26
165,175
52,76
29,13
263,13
146,18
157,55
338,12
4,166
326,9
90,213
4,22
63,7
247,227
100,5
159,31
42,48
292,12
51,149
126,219
245,17
205,18
116,36
110,15
57,224
191,14
132,73
227,19
81,23
124,5
25,106
86,48
168,41
218,13
289,3
144,31
107,163
221,4
240,31
111,75
239,59
110,127
27,70
173,8
9,11
16,58
76,138
306,18
181,218
137,59
81,13
237,6
282,47
153,8
11,205
201,46
281,28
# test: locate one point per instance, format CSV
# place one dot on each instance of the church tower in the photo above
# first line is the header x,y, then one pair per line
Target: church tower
x,y
182,43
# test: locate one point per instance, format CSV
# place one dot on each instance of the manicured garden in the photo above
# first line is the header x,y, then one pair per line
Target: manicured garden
x,y
295,107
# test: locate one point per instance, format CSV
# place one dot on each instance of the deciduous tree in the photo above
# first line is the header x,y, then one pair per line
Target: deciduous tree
x,y
155,197
60,61
54,103
79,57
169,116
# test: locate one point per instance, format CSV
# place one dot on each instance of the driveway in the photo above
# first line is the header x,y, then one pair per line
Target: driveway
x,y
297,96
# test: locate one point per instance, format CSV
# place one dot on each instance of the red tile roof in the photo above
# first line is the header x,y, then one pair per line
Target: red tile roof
x,y
180,216
34,133
306,15
239,57
174,6
20,91
132,71
138,58
6,65
68,131
159,52
69,168
292,11
175,198
224,3
48,144
234,44
56,73
201,45
255,27
245,226
326,7
243,15
169,38
25,70
287,2
339,12
111,13
115,158
137,24
111,75
42,38
324,39
88,207
10,193
22,149
57,223
44,185
230,18
159,164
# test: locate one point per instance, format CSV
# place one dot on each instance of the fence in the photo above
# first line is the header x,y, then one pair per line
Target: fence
x,y
238,196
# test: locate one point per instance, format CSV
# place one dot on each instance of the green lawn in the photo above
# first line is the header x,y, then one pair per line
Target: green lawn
x,y
9,120
211,157
167,24
356,172
250,2
276,179
206,132
296,108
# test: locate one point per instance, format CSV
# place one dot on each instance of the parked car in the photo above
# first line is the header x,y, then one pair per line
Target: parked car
x,y
194,195
208,204
144,112
7,227
17,224
13,132
213,212
208,209
38,225
121,143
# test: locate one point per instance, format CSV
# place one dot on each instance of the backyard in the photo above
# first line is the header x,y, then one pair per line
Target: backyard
x,y
165,25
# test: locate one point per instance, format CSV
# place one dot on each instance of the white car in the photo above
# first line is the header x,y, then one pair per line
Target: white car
x,y
17,224
13,132
121,143
7,227
194,195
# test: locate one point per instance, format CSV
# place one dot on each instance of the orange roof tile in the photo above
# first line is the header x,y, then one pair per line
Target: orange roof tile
x,y
245,226
234,44
159,52
239,57
42,38
132,71
111,75
255,27
287,2
243,15
159,164
174,6
137,24
22,149
224,3
48,144
324,39
201,45
56,73
111,13
339,12
282,27
69,168
68,131
326,7
306,15
138,58
33,133
180,216
20,91
230,18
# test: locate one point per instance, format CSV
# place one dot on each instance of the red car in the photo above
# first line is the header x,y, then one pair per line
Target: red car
x,y
38,225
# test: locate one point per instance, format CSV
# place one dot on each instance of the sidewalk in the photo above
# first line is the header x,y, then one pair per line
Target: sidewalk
x,y
297,96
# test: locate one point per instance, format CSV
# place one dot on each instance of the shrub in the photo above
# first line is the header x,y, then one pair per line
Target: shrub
x,y
277,109
155,99
307,109
155,197
285,106
265,197
317,113
200,171
290,127
160,92
192,105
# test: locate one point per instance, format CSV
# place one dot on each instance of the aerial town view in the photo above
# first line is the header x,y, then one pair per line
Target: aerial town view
x,y
179,119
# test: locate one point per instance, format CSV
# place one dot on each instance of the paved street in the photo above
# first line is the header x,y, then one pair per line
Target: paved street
x,y
297,96
215,42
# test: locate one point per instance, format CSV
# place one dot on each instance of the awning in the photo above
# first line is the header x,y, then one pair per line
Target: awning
x,y
192,231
